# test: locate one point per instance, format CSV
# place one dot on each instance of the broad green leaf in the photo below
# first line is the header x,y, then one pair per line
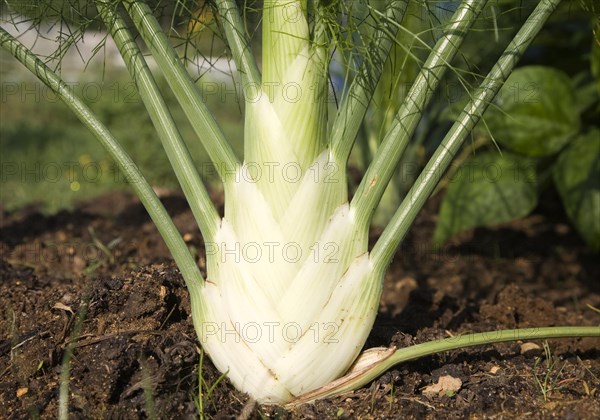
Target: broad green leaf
x,y
487,190
595,62
577,178
536,111
587,93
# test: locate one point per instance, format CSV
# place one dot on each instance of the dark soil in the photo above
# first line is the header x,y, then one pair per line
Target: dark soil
x,y
135,353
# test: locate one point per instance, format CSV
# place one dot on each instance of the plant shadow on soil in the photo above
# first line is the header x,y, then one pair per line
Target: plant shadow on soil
x,y
137,352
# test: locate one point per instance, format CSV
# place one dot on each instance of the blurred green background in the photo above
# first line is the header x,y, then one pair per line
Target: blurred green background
x,y
48,158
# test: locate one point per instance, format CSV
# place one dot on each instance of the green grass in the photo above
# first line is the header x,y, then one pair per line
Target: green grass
x,y
49,159
205,389
548,379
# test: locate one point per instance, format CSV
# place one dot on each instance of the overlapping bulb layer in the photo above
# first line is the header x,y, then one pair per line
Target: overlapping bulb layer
x,y
292,315
289,299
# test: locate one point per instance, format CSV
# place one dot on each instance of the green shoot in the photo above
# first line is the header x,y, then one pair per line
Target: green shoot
x,y
205,389
549,376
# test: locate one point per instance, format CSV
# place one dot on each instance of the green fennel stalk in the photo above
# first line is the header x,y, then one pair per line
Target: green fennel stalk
x,y
315,291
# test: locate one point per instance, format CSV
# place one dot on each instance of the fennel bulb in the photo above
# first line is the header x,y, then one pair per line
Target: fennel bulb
x,y
288,302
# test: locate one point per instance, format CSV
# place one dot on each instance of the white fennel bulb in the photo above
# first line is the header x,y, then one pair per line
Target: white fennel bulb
x,y
289,298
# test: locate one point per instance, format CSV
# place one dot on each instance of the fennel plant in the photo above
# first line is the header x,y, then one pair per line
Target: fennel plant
x,y
291,289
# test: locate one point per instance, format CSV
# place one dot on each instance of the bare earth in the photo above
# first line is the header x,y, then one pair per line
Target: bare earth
x,y
136,354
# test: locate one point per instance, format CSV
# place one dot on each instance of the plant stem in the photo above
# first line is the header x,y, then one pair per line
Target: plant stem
x,y
382,168
351,114
186,92
465,154
238,43
396,230
154,207
285,33
65,366
197,197
354,380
